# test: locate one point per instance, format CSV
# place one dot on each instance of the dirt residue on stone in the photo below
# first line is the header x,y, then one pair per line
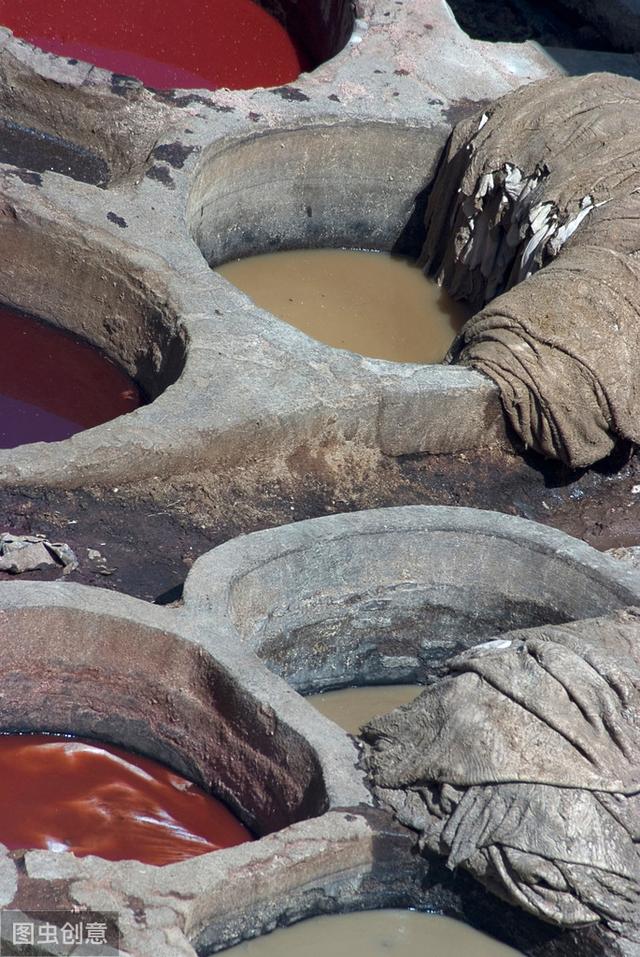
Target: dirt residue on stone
x,y
143,539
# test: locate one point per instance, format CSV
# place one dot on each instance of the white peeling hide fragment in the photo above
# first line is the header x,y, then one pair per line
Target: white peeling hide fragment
x,y
566,231
540,216
485,186
483,120
542,224
513,183
507,235
528,264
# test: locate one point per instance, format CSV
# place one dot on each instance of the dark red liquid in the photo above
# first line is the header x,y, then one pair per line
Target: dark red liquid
x,y
66,794
165,43
53,384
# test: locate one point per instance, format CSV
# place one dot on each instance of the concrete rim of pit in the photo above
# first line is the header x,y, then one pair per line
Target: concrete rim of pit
x,y
288,388
382,596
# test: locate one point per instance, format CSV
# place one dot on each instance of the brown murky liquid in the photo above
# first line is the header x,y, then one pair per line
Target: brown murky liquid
x,y
353,707
371,303
375,933
66,794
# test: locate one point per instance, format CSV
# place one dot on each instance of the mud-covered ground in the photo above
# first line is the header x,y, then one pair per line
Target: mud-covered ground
x,y
147,539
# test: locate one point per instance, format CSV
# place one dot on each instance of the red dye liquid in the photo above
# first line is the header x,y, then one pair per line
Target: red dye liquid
x,y
53,384
165,43
65,794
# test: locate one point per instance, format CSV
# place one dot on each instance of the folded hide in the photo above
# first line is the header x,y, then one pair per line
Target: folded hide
x,y
552,170
521,765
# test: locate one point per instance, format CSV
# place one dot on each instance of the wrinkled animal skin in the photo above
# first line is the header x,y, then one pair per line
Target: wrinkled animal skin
x,y
534,218
522,765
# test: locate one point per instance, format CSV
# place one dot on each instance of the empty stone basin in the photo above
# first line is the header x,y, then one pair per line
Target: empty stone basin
x,y
383,596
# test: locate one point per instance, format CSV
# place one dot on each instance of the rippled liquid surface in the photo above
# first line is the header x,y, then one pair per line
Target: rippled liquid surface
x,y
368,302
380,933
64,794
353,707
53,385
164,43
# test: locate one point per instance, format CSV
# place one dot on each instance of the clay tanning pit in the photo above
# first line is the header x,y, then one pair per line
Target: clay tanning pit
x,y
96,672
265,194
321,279
102,674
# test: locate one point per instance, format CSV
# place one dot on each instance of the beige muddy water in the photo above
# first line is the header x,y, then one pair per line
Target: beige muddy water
x,y
381,933
353,707
371,303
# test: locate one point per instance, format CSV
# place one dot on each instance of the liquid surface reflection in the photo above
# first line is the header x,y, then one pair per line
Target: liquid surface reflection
x,y
68,794
230,43
377,933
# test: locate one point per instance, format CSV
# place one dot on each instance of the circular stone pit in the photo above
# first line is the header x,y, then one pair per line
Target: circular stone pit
x,y
98,665
84,662
388,595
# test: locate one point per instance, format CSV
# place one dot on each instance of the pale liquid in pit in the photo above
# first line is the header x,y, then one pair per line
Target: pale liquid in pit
x,y
381,933
353,707
371,303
